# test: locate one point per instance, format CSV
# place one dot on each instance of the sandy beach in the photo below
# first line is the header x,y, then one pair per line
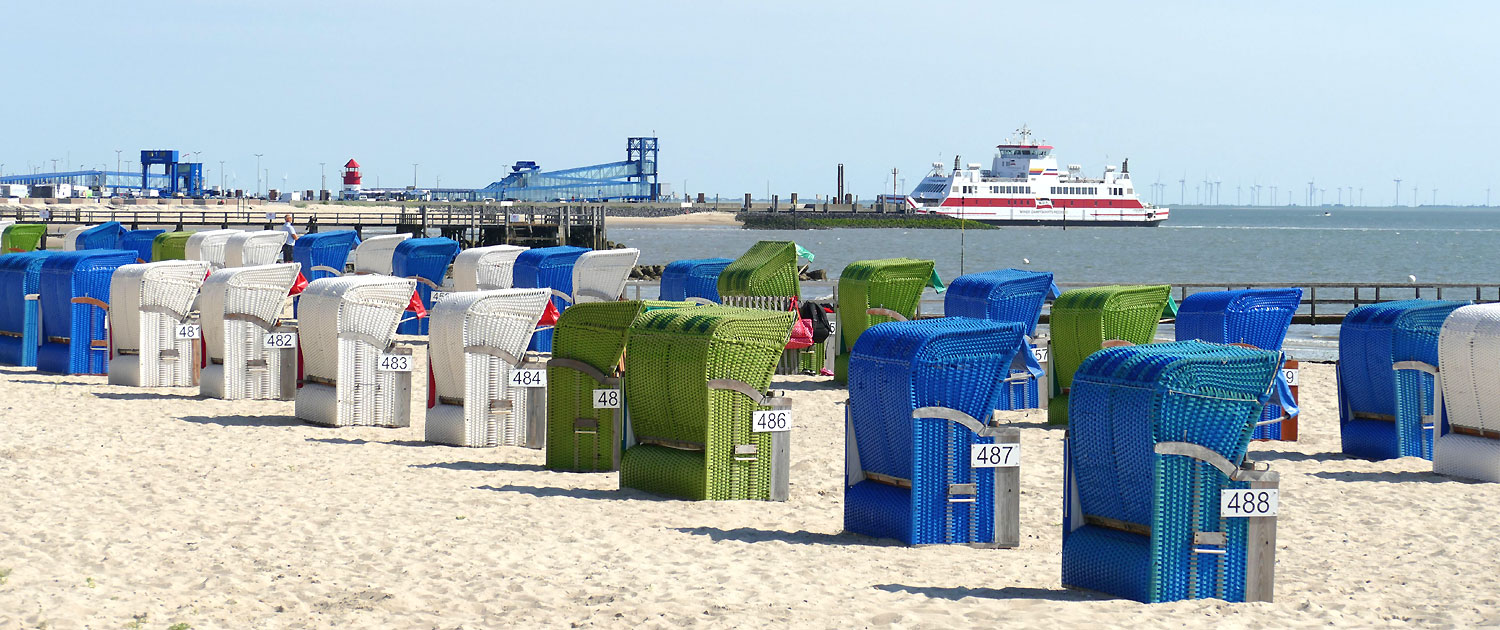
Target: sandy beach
x,y
156,507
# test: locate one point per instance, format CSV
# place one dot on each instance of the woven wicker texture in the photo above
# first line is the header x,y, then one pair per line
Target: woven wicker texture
x,y
547,268
953,362
485,268
103,236
890,283
671,356
694,278
147,302
1124,402
170,246
347,324
238,306
248,249
1259,317
69,330
470,330
208,245
1083,319
374,254
1370,424
323,254
20,276
140,241
1469,362
594,334
599,276
22,237
425,260
1005,295
769,268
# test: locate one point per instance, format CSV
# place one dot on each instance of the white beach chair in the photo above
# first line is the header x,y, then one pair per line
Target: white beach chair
x,y
477,338
148,303
485,268
208,245
70,240
352,373
1468,443
600,275
240,307
246,249
374,254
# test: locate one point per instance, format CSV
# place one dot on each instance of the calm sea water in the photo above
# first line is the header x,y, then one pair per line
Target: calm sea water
x,y
1292,245
1196,245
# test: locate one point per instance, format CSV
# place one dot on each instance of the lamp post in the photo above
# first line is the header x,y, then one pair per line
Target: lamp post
x,y
221,178
117,160
257,173
322,178
413,175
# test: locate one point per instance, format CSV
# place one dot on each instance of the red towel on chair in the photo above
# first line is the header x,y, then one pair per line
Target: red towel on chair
x,y
415,305
299,286
549,316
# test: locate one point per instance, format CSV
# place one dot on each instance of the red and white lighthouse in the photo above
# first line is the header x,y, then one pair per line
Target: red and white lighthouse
x,y
351,180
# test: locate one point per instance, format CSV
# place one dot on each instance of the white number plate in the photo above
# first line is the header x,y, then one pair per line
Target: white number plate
x,y
1290,374
1248,502
528,378
438,295
771,421
395,363
1040,354
606,399
189,331
995,456
280,340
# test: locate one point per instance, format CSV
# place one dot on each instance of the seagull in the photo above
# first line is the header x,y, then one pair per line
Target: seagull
x,y
1411,279
1026,261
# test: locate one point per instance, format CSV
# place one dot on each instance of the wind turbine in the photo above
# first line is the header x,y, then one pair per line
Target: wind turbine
x,y
1181,188
1398,192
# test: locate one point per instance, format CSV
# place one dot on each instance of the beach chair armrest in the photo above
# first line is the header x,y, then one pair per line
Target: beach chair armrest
x,y
703,301
1415,365
563,296
580,366
435,286
773,400
1213,458
499,353
1115,343
595,293
885,312
92,302
336,272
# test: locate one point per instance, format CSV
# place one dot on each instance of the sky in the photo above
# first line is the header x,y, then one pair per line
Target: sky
x,y
752,96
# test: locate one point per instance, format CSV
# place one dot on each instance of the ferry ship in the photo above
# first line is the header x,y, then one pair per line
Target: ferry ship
x,y
1024,187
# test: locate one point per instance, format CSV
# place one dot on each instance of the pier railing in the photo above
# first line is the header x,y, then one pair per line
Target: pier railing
x,y
1323,303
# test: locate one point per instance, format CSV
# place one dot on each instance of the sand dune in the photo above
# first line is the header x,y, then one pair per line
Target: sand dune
x,y
153,506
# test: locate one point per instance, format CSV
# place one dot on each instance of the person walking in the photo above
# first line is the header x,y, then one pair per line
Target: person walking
x,y
291,237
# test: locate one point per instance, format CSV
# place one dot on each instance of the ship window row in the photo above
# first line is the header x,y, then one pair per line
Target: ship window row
x,y
1075,190
1010,190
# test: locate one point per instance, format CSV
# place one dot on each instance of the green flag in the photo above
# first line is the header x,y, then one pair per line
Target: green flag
x,y
802,251
936,283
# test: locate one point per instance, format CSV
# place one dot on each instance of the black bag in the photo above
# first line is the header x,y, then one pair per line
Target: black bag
x,y
814,312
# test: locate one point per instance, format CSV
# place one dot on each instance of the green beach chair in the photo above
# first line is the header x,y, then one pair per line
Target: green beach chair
x,y
768,269
22,237
873,292
589,340
694,379
170,246
1083,319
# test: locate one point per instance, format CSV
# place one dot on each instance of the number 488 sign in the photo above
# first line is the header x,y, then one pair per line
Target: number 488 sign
x,y
1248,502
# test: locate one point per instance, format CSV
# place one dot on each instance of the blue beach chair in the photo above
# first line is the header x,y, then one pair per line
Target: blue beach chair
x,y
324,254
74,303
1007,295
102,236
547,268
139,241
1257,317
20,281
425,260
695,278
920,395
1156,432
1380,407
